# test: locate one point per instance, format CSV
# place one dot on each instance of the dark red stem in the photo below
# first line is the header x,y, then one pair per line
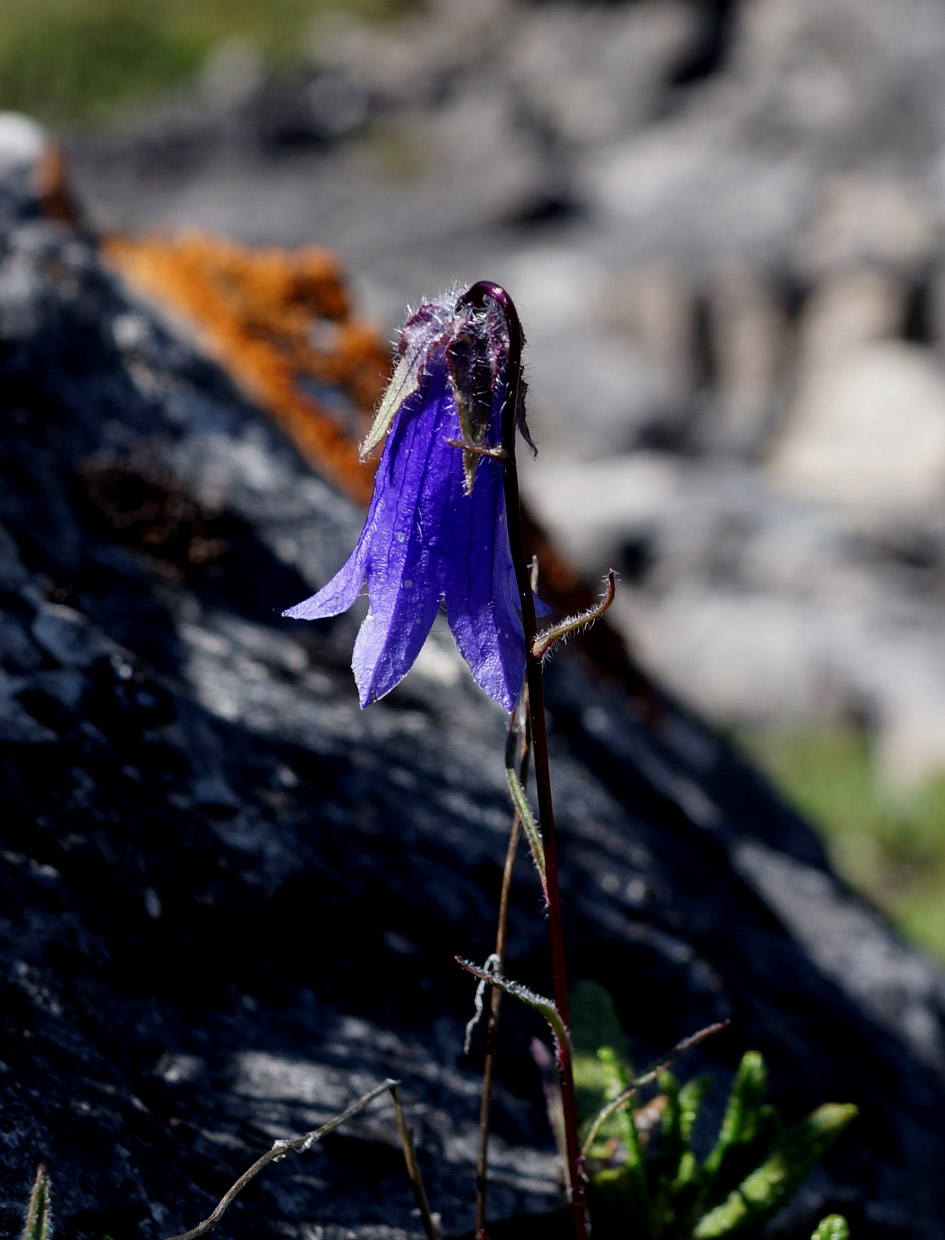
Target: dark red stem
x,y
536,705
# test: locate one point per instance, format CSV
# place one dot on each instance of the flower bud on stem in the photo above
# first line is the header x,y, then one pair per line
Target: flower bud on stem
x,y
511,418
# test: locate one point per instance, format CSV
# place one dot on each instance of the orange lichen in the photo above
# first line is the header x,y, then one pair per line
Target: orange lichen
x,y
280,322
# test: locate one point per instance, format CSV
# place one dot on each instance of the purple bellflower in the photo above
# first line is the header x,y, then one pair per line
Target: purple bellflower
x,y
436,530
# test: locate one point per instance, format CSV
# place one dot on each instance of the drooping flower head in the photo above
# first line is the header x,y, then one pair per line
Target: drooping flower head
x,y
436,530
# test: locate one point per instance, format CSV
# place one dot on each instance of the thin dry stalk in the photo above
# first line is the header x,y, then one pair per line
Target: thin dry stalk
x,y
413,1169
518,727
298,1145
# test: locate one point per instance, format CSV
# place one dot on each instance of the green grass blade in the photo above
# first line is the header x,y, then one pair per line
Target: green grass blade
x,y
38,1224
615,1084
691,1097
681,1190
742,1114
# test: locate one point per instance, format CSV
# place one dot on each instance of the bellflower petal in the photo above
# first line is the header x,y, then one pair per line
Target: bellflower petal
x,y
436,529
481,594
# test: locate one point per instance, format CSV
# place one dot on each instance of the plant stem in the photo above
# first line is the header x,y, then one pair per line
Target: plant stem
x,y
495,994
536,704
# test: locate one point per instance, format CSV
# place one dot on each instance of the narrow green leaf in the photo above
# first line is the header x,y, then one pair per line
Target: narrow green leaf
x,y
665,1168
636,1187
742,1113
545,1006
762,1193
684,1197
615,1083
684,1190
38,1224
527,818
690,1100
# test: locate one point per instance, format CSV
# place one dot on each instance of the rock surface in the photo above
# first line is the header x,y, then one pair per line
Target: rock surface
x,y
231,900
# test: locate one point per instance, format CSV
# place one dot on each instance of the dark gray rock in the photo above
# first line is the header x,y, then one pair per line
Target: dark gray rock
x,y
231,900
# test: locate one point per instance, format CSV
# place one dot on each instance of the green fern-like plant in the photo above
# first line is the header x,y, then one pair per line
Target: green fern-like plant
x,y
833,1227
647,1181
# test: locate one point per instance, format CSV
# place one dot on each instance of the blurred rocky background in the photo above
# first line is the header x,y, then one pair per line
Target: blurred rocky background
x,y
722,221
